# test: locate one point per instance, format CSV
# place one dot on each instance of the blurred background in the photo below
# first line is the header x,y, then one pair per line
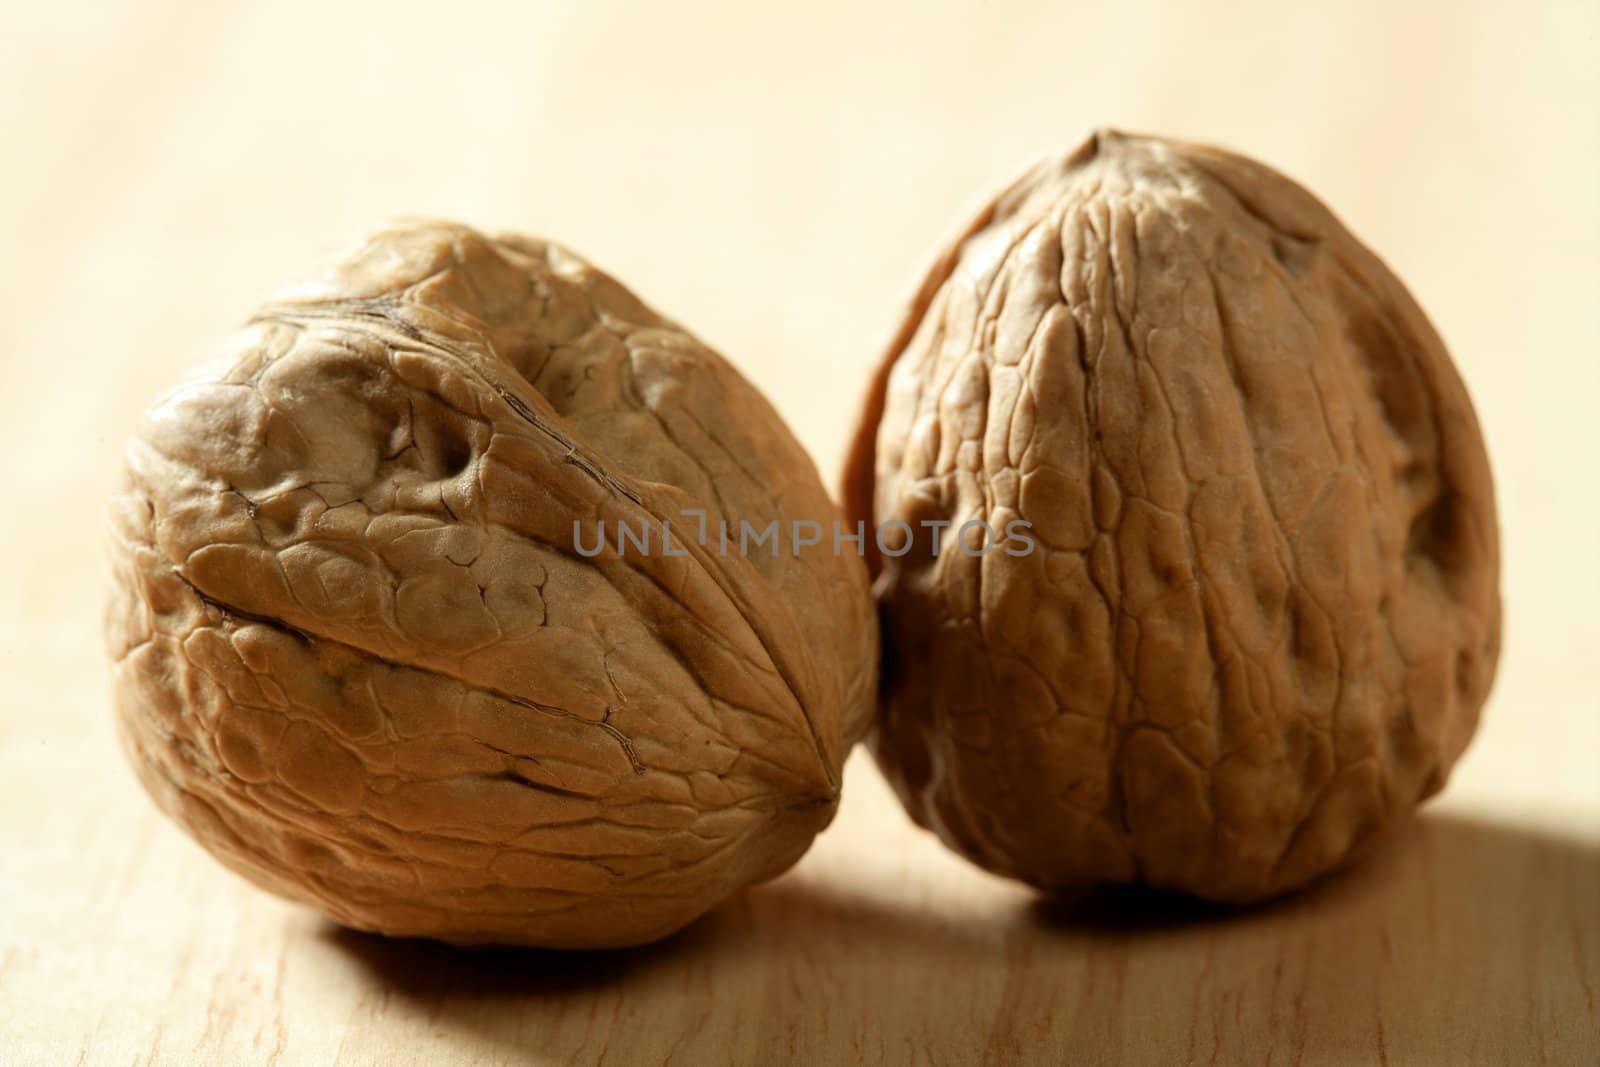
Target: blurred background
x,y
770,177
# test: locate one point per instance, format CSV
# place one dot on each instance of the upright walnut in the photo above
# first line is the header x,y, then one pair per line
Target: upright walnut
x,y
1256,612
367,652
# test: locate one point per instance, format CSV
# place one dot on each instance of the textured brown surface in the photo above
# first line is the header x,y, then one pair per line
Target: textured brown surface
x,y
1263,610
769,180
359,659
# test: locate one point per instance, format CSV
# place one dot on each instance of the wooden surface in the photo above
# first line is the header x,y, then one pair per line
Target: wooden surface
x,y
771,179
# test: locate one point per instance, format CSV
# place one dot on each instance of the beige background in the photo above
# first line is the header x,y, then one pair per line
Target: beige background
x,y
771,176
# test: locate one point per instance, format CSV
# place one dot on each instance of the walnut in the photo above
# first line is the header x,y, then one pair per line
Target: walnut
x,y
1249,610
369,649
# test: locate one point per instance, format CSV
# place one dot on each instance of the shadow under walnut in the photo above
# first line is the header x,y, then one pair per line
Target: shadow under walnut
x,y
1406,957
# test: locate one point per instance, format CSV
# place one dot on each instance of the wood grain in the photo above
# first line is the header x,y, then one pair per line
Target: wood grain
x,y
1460,941
772,180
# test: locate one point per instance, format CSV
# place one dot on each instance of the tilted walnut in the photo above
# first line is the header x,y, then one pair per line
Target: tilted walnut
x,y
358,657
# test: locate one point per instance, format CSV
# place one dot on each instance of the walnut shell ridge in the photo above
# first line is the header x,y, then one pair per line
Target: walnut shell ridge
x,y
1261,613
358,658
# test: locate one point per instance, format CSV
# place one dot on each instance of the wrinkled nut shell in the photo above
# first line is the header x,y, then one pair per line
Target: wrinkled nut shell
x,y
1262,612
358,657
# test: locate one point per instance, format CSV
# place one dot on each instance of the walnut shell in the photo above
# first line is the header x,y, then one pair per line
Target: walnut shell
x,y
1260,613
358,657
